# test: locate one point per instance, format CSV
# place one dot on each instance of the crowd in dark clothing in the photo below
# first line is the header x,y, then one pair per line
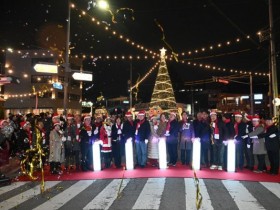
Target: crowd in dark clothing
x,y
67,140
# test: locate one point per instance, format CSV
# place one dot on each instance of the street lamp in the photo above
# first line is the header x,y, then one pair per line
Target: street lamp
x,y
103,4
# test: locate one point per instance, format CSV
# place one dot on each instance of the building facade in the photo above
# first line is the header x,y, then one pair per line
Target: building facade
x,y
36,91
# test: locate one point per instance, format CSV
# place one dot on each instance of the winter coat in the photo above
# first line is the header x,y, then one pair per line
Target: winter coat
x,y
173,132
161,129
117,134
56,148
143,131
105,136
128,130
258,143
186,135
204,132
241,131
70,135
153,142
271,136
77,140
222,131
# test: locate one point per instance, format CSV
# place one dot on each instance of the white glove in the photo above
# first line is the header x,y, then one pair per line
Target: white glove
x,y
95,131
167,133
119,131
146,141
89,133
248,146
244,137
100,142
225,143
63,138
129,140
77,137
272,135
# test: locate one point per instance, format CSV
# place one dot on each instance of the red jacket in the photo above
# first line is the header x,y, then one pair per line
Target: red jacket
x,y
105,136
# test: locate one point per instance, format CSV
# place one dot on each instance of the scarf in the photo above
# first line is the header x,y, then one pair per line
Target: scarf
x,y
236,128
138,126
88,127
119,128
216,129
168,126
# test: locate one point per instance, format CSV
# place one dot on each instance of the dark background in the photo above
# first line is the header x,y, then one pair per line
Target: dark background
x,y
188,25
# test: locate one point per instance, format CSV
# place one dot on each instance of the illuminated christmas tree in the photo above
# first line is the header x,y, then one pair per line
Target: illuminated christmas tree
x,y
163,94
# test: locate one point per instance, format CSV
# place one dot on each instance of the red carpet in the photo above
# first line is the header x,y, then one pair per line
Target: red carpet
x,y
180,171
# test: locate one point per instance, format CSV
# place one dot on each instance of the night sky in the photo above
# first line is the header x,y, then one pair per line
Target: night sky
x,y
188,25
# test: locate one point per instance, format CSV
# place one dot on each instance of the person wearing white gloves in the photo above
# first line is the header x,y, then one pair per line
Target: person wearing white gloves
x,y
258,144
56,138
186,136
272,144
172,133
86,135
142,134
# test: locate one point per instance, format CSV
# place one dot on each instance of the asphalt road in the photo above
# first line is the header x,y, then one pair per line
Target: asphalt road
x,y
152,193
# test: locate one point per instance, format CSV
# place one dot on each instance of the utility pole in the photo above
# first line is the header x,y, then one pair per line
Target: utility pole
x,y
67,65
273,59
130,87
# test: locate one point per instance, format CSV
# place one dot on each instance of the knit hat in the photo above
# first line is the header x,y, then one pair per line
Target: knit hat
x,y
142,113
237,114
213,113
70,116
256,117
55,124
128,114
2,121
24,123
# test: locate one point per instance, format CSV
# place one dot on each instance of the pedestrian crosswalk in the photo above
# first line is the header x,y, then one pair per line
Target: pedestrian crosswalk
x,y
148,193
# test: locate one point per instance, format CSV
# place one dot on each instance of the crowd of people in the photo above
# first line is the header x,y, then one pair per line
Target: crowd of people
x,y
67,140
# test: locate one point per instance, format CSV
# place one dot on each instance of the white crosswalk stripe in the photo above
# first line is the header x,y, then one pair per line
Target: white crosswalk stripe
x,y
150,196
24,196
242,197
8,188
145,194
107,196
191,194
59,200
273,187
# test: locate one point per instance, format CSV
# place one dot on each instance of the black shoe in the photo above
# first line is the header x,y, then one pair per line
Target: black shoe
x,y
142,166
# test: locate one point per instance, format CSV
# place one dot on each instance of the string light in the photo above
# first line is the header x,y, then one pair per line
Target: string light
x,y
116,57
214,46
229,70
115,34
143,78
28,53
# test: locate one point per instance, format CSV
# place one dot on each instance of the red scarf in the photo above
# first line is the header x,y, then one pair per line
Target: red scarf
x,y
168,125
139,124
227,121
97,124
216,130
88,127
236,128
